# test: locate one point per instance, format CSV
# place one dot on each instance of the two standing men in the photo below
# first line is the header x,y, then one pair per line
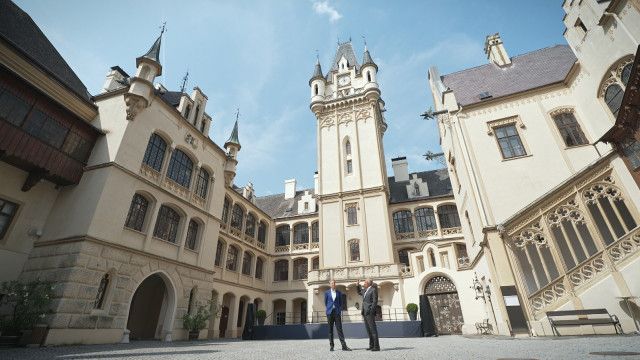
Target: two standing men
x,y
333,303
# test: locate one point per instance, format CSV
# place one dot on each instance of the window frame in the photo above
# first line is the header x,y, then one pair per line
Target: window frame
x,y
156,148
569,129
354,256
162,220
192,235
180,169
9,217
352,214
140,215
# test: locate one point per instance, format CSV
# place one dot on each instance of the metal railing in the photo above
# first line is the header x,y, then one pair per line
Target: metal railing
x,y
353,316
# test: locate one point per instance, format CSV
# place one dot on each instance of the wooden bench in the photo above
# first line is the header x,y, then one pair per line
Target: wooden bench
x,y
583,319
484,328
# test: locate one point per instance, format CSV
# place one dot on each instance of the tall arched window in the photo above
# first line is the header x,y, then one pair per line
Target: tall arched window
x,y
154,155
569,129
192,300
315,263
315,232
425,219
300,269
102,292
137,212
237,216
247,259
301,233
180,168
448,216
281,270
167,224
347,147
219,252
283,234
432,257
192,235
354,250
315,89
259,268
232,258
262,232
613,97
250,226
625,74
202,184
225,210
402,221
368,76
403,256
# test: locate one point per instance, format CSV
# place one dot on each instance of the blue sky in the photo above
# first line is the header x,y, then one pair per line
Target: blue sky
x,y
259,55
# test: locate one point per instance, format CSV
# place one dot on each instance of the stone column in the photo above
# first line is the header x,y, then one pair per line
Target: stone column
x,y
289,312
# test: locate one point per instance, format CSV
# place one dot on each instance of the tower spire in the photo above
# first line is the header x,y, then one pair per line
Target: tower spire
x,y
233,138
154,52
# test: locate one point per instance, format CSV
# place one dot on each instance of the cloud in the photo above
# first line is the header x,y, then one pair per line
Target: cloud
x,y
323,8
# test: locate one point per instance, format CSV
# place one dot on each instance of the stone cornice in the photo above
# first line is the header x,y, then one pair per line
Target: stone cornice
x,y
340,195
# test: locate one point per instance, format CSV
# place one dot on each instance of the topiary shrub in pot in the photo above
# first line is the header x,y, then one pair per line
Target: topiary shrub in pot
x,y
195,322
261,315
412,309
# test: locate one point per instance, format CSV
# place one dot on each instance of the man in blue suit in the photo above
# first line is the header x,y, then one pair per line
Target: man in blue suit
x,y
333,303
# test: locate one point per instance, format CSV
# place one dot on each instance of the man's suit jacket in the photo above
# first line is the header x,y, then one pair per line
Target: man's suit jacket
x,y
369,300
330,304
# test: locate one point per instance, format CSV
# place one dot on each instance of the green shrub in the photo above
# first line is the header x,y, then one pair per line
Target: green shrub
x,y
30,301
261,314
197,321
412,308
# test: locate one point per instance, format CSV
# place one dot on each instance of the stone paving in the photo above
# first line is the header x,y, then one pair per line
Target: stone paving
x,y
445,347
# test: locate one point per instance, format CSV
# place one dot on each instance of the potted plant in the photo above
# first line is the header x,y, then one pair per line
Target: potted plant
x,y
412,309
27,305
261,315
195,322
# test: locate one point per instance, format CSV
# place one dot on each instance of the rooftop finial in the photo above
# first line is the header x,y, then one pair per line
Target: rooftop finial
x,y
364,38
237,114
317,57
163,28
184,81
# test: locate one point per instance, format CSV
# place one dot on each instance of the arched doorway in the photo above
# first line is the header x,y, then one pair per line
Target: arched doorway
x,y
228,302
151,310
445,305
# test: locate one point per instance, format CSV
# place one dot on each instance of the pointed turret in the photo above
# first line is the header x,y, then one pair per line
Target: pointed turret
x,y
369,70
317,83
367,60
233,138
141,88
317,72
233,146
153,55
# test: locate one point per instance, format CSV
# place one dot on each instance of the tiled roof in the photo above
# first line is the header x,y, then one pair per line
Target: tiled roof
x,y
437,181
277,206
171,97
528,71
346,50
21,32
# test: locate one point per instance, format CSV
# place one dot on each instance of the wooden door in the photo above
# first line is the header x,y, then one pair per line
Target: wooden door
x,y
224,319
445,305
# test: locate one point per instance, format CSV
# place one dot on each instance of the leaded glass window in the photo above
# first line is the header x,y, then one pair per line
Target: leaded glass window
x,y
225,210
154,155
403,256
192,235
613,97
250,227
167,224
354,250
202,183
569,128
219,252
237,216
12,107
7,212
300,269
45,128
301,233
402,221
281,270
509,141
425,219
259,268
180,168
352,215
625,74
315,263
315,232
282,235
247,258
448,216
262,232
232,258
102,292
137,212
631,149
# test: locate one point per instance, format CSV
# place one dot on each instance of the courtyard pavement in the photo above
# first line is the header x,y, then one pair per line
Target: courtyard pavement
x,y
444,347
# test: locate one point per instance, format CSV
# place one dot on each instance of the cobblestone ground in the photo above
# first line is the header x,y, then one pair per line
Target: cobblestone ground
x,y
445,347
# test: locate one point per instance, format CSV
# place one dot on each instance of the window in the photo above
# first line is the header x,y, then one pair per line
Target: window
x,y
444,258
416,189
625,74
7,212
306,206
509,141
192,300
280,318
580,27
281,272
137,212
246,263
259,268
180,168
403,256
45,128
282,235
219,252
569,128
203,124
463,255
102,292
432,258
13,108
368,76
187,111
352,215
631,149
225,210
315,234
300,269
192,235
425,219
232,258
301,233
250,226
195,115
354,250
609,210
241,311
262,232
315,263
347,148
402,222
202,183
237,216
613,97
167,224
448,216
349,168
154,155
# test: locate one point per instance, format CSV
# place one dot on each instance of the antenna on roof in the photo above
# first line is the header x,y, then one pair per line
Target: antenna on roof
x,y
184,81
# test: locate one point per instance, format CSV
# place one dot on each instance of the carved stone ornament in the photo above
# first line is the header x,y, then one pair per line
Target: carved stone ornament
x,y
566,212
502,122
602,190
134,104
562,110
190,139
344,118
531,235
363,114
327,121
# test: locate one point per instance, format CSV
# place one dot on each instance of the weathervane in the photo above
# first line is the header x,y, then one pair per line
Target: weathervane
x,y
184,81
163,28
364,38
317,55
237,114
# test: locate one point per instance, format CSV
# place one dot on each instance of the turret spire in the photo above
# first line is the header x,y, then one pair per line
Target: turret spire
x,y
233,138
317,71
154,52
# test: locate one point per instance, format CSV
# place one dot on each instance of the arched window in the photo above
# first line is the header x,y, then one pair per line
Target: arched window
x,y
259,268
569,128
448,215
283,234
301,233
250,226
432,257
262,232
300,269
167,224
247,259
613,97
425,219
192,299
402,221
403,256
102,292
237,216
187,111
137,212
354,250
625,74
154,155
180,168
232,258
315,232
219,252
202,184
315,89
192,235
225,210
315,263
281,270
347,148
195,115
368,76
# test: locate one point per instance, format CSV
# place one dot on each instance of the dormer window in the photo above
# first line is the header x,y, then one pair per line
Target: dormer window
x,y
202,126
187,112
195,116
306,206
416,189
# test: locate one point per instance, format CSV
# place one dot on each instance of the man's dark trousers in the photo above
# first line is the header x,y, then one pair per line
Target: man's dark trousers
x,y
335,318
372,330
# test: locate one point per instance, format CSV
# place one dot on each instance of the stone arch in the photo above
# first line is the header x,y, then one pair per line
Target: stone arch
x,y
227,313
152,319
442,294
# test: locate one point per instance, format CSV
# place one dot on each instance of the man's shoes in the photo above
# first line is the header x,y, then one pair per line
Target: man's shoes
x,y
345,348
331,348
375,349
369,348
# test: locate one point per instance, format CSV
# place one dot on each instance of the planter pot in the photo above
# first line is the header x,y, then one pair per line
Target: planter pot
x,y
413,316
38,335
261,321
194,335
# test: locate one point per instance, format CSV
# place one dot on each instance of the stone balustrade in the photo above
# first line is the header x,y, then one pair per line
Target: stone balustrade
x,y
354,273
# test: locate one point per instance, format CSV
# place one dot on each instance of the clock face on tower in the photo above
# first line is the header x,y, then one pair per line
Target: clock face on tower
x,y
344,80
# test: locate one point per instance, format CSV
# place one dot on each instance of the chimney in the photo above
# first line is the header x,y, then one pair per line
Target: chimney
x,y
400,168
315,183
495,50
290,189
247,191
115,79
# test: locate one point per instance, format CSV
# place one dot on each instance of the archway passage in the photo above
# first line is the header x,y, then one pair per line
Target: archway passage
x,y
445,305
149,303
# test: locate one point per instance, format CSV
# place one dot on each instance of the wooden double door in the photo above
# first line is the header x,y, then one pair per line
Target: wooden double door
x,y
445,305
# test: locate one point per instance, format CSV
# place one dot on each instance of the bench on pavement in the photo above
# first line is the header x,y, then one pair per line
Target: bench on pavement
x,y
484,327
583,319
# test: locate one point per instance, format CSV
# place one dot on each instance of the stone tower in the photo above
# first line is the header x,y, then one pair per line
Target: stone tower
x,y
352,184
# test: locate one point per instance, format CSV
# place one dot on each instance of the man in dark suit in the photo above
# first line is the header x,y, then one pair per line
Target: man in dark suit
x,y
369,304
333,303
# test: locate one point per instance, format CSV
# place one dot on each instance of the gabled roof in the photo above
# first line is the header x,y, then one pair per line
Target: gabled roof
x,y
20,31
437,181
528,71
277,206
346,50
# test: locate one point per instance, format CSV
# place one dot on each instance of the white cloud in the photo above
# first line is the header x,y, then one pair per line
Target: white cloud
x,y
323,8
